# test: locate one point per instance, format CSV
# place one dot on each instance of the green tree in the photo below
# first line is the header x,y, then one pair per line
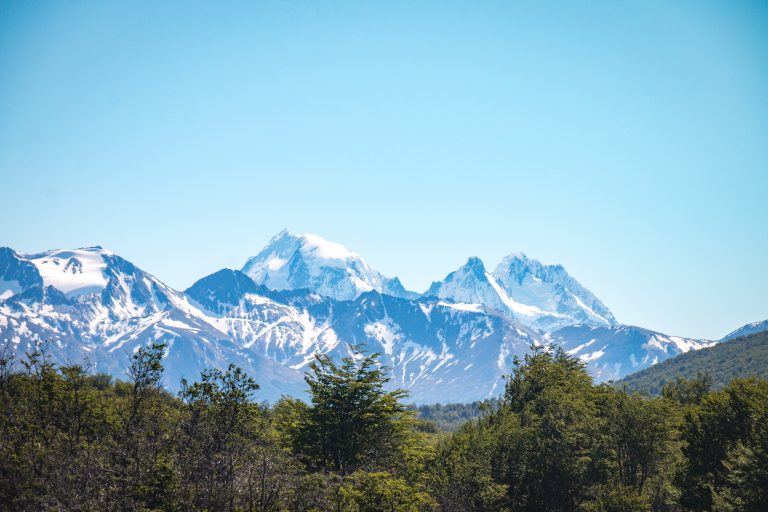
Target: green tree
x,y
463,476
143,442
720,437
746,477
220,422
688,391
381,492
643,435
549,463
616,498
352,423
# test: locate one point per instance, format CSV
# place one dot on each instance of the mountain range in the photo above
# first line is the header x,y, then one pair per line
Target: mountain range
x,y
302,295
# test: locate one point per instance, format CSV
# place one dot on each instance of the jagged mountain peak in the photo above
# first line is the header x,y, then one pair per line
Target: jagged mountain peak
x,y
71,272
518,255
110,287
550,288
472,284
226,286
91,304
292,261
476,266
537,295
518,264
324,249
17,275
469,275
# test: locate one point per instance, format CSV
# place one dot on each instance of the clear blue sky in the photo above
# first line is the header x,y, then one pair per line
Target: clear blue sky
x,y
626,140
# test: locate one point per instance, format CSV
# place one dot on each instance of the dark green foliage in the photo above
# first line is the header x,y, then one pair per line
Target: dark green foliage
x,y
554,442
688,392
351,423
741,357
465,475
54,436
142,445
549,462
725,449
642,436
616,498
746,477
559,443
72,441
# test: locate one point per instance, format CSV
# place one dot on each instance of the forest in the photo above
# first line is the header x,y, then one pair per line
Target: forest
x,y
554,441
746,356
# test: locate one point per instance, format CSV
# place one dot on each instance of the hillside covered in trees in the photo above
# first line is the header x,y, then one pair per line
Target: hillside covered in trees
x,y
553,442
746,356
450,417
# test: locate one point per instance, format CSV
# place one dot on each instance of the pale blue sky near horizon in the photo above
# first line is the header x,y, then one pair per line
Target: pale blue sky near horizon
x,y
624,140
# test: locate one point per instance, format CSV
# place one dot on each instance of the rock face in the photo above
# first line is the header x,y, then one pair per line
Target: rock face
x,y
301,296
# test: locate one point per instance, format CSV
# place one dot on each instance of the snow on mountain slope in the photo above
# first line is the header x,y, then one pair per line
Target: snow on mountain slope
x,y
613,352
453,344
473,284
276,329
551,289
540,296
744,330
293,261
91,304
73,272
436,351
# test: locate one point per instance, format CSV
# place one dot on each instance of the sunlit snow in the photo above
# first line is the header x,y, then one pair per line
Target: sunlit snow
x,y
74,272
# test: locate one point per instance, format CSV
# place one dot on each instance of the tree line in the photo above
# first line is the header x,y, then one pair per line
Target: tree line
x,y
72,440
450,417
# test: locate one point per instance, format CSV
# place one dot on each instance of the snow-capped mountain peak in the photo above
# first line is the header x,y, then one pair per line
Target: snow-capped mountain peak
x,y
476,267
550,288
106,286
326,250
473,284
293,261
462,281
73,272
539,296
